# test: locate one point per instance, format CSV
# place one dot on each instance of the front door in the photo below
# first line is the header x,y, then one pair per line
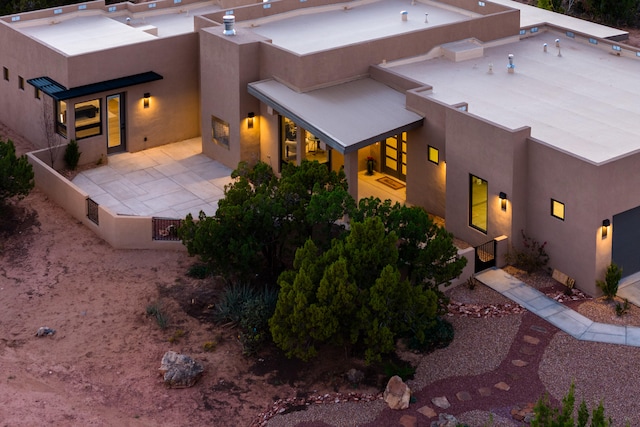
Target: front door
x,y
395,156
115,123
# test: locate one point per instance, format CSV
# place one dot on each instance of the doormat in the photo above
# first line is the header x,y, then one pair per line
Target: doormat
x,y
396,185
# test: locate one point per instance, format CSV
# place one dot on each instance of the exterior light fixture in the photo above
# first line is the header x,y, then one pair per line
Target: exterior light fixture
x,y
145,101
250,117
503,200
605,227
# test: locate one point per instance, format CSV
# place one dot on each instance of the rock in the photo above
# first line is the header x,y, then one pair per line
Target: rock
x,y
408,421
179,370
445,420
397,394
355,376
441,402
427,412
45,331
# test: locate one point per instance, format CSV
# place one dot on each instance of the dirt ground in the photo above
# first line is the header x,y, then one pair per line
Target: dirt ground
x,y
100,368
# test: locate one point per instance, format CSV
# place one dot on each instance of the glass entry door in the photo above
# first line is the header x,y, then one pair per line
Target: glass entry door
x,y
395,156
115,123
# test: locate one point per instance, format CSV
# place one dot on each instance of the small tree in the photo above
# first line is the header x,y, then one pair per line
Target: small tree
x,y
16,174
531,257
611,280
72,155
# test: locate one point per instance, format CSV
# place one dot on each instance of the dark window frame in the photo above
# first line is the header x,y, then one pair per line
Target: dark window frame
x,y
472,207
564,209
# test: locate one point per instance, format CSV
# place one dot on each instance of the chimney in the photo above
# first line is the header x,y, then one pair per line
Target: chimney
x,y
229,22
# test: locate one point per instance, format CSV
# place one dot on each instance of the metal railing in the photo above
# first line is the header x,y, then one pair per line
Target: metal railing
x,y
92,211
165,228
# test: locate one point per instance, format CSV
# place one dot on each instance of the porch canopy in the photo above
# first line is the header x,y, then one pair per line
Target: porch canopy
x,y
60,93
347,116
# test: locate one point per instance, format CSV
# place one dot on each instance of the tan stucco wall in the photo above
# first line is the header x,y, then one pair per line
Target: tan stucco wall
x,y
228,65
120,231
174,111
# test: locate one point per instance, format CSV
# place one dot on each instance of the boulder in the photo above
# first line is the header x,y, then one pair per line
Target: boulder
x,y
45,331
179,370
397,394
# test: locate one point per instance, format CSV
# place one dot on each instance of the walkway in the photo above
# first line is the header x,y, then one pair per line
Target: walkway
x,y
559,315
176,179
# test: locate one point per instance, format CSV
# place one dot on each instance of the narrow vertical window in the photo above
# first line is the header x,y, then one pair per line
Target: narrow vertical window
x,y
61,118
288,140
5,73
21,82
434,155
36,93
478,203
557,209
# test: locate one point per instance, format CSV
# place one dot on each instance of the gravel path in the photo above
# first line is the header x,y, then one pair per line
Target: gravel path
x,y
519,351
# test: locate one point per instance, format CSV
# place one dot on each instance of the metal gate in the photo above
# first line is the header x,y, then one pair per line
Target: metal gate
x,y
485,256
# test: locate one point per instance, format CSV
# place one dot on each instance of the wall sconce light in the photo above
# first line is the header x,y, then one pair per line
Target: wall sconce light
x,y
145,101
503,200
250,117
605,227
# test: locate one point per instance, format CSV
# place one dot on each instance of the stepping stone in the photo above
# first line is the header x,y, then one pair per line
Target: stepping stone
x,y
502,386
441,402
484,391
519,363
513,376
531,340
528,350
427,411
539,329
463,396
408,421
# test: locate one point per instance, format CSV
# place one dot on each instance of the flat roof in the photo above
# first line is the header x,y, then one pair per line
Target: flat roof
x,y
348,116
328,27
91,30
583,102
531,15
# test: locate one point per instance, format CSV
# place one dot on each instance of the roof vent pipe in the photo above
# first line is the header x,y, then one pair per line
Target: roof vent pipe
x,y
229,23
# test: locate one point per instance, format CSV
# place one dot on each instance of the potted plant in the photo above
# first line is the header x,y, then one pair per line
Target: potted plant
x,y
371,162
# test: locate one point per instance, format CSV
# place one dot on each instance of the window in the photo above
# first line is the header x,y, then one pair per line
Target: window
x,y
21,82
61,118
220,131
288,140
88,119
478,203
557,209
5,73
36,93
434,155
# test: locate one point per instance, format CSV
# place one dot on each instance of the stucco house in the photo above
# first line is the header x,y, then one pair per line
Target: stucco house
x,y
499,119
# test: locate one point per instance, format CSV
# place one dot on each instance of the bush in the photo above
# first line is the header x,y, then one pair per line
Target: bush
x,y
611,280
198,271
16,173
72,154
155,310
531,258
250,309
439,335
546,415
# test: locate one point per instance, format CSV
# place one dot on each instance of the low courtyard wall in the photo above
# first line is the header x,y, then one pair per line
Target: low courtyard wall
x,y
120,231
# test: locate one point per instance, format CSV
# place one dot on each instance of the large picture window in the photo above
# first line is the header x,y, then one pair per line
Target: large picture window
x,y
220,131
478,203
88,119
61,118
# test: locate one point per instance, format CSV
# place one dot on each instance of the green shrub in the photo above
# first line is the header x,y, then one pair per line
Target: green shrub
x,y
622,309
155,310
72,154
611,280
398,367
250,309
439,335
531,258
198,271
546,415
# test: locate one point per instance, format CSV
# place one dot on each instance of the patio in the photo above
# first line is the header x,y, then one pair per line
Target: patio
x,y
176,179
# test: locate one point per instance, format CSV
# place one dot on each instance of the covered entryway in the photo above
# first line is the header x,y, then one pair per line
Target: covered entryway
x,y
626,241
346,118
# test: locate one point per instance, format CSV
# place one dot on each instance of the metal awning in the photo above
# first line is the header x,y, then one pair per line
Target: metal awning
x,y
61,93
347,116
